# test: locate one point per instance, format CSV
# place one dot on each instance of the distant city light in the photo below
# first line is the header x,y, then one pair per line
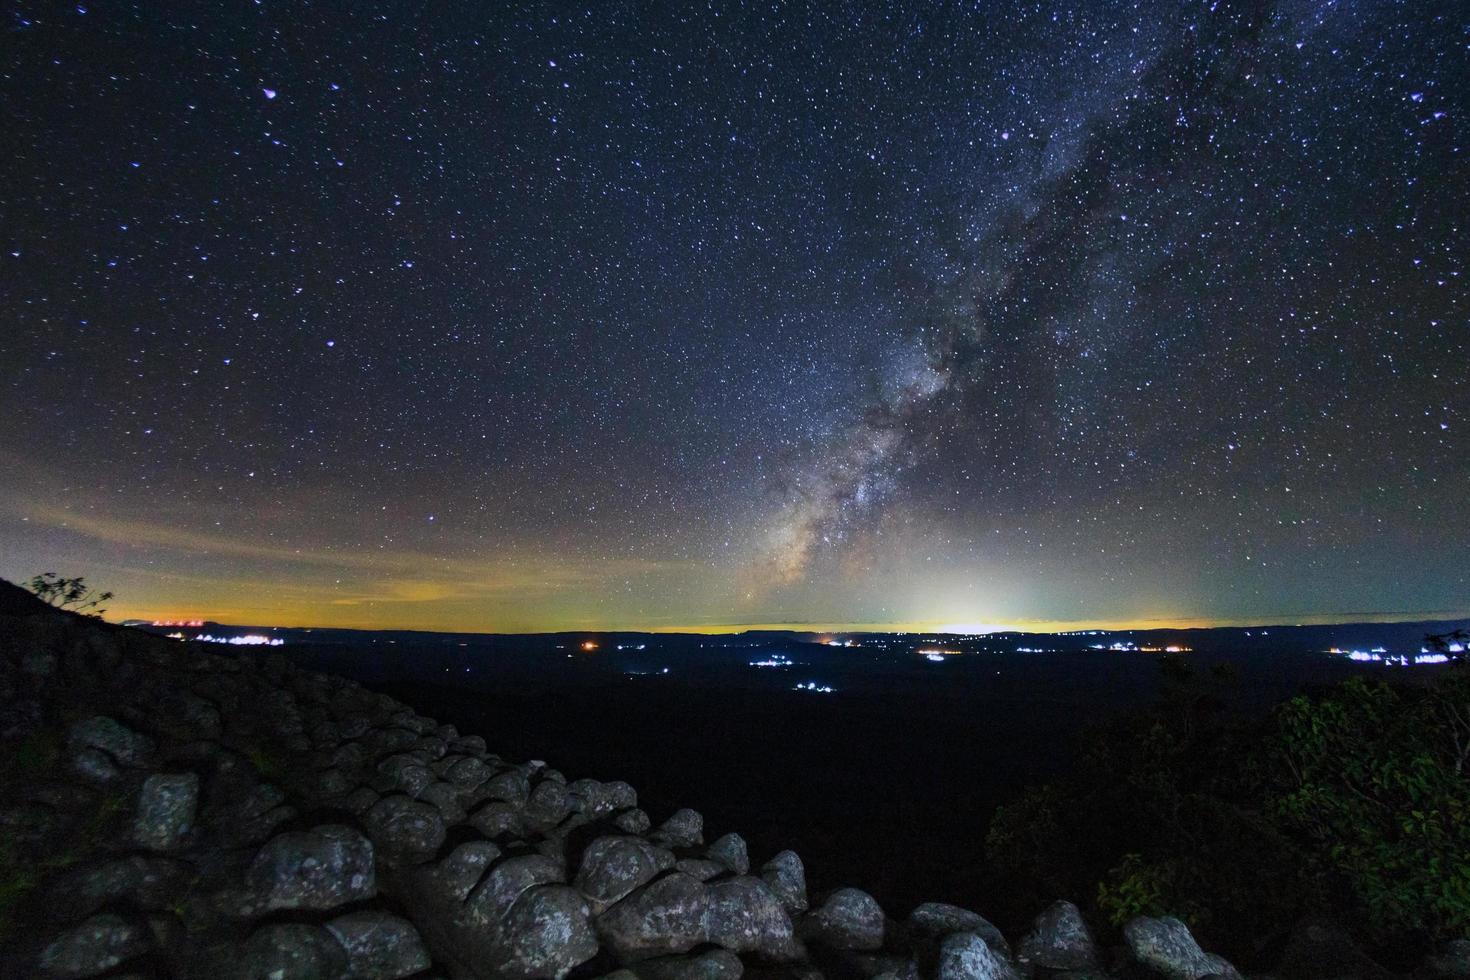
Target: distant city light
x,y
589,646
935,654
1380,655
248,640
774,660
814,687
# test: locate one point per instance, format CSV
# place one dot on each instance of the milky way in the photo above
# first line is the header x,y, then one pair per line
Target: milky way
x,y
646,315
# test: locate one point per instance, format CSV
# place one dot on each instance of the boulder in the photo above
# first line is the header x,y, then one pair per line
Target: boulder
x,y
292,951
444,797
935,920
404,827
379,946
509,880
730,850
1166,947
495,818
701,869
453,879
166,809
1059,940
613,866
468,771
547,805
849,919
94,947
546,933
632,821
965,956
665,917
745,916
109,736
322,868
511,786
684,829
786,876
716,964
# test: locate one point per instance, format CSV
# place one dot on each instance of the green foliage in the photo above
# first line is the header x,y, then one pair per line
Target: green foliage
x,y
69,593
1137,887
1377,786
1354,804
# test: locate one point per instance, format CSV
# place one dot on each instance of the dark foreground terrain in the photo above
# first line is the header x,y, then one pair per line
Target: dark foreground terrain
x,y
184,809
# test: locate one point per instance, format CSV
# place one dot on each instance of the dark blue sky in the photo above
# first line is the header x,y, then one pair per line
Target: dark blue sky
x,y
527,316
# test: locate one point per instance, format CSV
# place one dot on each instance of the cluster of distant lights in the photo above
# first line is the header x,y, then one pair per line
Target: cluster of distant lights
x,y
774,660
813,687
248,640
937,655
1380,655
1125,646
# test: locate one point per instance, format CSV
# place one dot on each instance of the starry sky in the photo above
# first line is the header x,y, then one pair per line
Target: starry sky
x,y
705,315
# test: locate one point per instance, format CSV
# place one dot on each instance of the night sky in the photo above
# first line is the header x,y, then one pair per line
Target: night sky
x,y
533,316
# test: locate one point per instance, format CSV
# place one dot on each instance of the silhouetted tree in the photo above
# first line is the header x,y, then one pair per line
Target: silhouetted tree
x,y
69,593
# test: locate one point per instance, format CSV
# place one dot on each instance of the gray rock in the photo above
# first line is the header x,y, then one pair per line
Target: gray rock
x,y
665,917
965,956
546,933
934,920
1059,940
848,919
745,916
620,794
96,946
591,798
292,952
632,821
497,817
730,850
510,879
321,868
454,878
112,737
612,867
786,876
468,771
701,869
511,786
684,829
716,964
404,827
95,765
547,805
444,797
404,772
166,809
1166,947
379,946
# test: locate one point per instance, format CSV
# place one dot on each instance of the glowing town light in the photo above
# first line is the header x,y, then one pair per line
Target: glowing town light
x,y
248,640
935,656
774,660
589,646
813,687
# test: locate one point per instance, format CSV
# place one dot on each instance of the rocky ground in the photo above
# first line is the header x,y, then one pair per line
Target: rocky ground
x,y
171,811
